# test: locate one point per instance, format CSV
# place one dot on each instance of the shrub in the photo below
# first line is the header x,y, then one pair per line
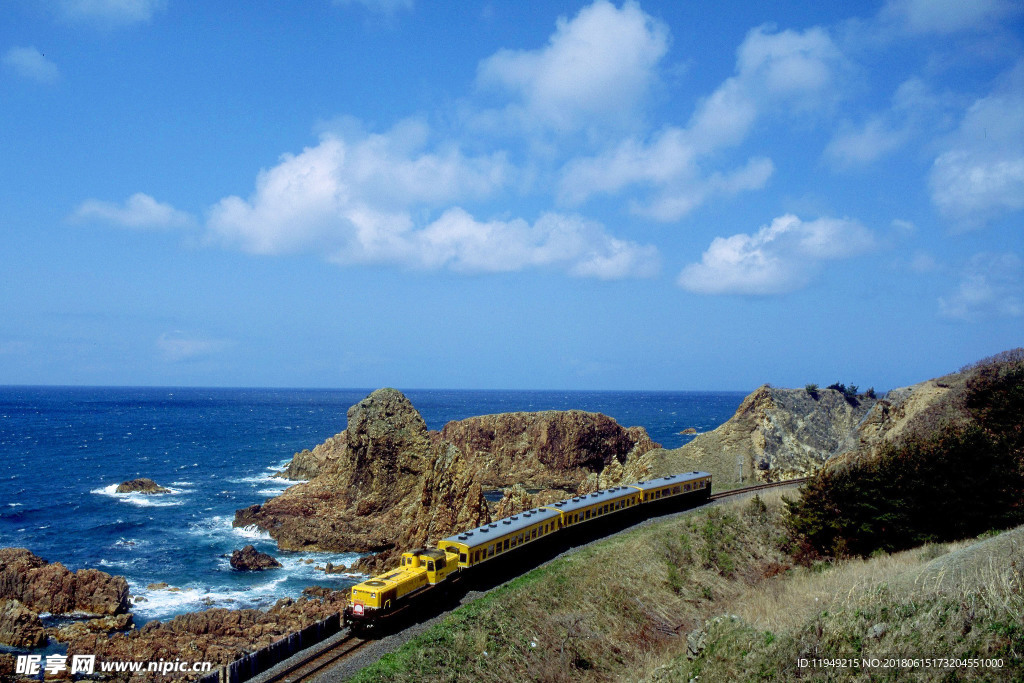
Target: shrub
x,y
960,479
812,389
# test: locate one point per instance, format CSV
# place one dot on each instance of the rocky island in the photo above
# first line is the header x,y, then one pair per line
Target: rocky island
x,y
141,485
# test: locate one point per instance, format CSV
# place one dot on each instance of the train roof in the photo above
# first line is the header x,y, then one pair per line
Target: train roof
x,y
497,529
588,499
670,479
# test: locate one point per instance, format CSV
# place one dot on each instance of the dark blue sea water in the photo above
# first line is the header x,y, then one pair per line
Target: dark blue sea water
x,y
63,451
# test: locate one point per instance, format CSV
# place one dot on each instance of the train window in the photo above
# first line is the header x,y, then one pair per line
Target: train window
x,y
430,566
506,545
513,543
533,534
490,551
442,563
463,557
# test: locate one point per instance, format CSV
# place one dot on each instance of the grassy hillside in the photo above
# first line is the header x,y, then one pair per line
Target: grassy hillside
x,y
714,594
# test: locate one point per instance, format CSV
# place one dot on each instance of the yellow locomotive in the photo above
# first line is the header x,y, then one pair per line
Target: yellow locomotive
x,y
423,570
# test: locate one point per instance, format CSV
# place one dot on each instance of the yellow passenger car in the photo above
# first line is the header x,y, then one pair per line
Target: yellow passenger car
x,y
505,535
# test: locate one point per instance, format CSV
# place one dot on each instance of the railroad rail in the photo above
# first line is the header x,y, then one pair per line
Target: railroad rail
x,y
309,666
757,487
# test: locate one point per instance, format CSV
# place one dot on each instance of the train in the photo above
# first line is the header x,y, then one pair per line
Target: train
x,y
427,571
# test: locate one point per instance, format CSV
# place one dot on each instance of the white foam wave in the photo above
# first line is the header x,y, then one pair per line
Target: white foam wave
x,y
252,533
163,603
256,479
157,500
270,492
219,526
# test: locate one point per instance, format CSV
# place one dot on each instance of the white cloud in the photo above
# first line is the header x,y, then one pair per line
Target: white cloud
x,y
991,286
947,16
352,193
571,243
597,68
677,199
787,71
139,211
29,62
791,71
779,258
111,12
178,346
854,146
914,108
981,175
353,201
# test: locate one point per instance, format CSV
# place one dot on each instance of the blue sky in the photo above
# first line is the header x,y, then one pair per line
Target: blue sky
x,y
570,195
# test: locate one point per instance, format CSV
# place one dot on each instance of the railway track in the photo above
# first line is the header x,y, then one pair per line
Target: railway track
x,y
757,487
308,667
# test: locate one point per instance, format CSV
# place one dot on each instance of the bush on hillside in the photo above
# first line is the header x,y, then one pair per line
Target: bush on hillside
x,y
960,479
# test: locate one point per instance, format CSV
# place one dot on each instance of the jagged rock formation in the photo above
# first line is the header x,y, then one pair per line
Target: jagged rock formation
x,y
775,434
20,626
548,449
141,485
388,484
29,586
46,587
384,482
250,559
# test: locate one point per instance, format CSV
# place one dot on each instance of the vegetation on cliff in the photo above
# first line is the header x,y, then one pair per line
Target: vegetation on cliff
x,y
957,470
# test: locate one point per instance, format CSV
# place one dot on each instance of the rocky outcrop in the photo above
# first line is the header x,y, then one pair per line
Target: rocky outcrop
x,y
250,559
45,587
387,483
775,434
307,464
215,635
29,586
105,625
142,485
20,626
548,449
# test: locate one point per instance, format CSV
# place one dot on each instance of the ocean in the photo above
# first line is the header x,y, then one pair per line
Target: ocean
x,y
63,450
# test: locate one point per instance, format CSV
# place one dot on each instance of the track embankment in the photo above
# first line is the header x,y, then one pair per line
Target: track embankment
x,y
342,655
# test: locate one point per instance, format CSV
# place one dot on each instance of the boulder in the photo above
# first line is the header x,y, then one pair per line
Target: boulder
x,y
142,485
46,587
20,626
250,559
